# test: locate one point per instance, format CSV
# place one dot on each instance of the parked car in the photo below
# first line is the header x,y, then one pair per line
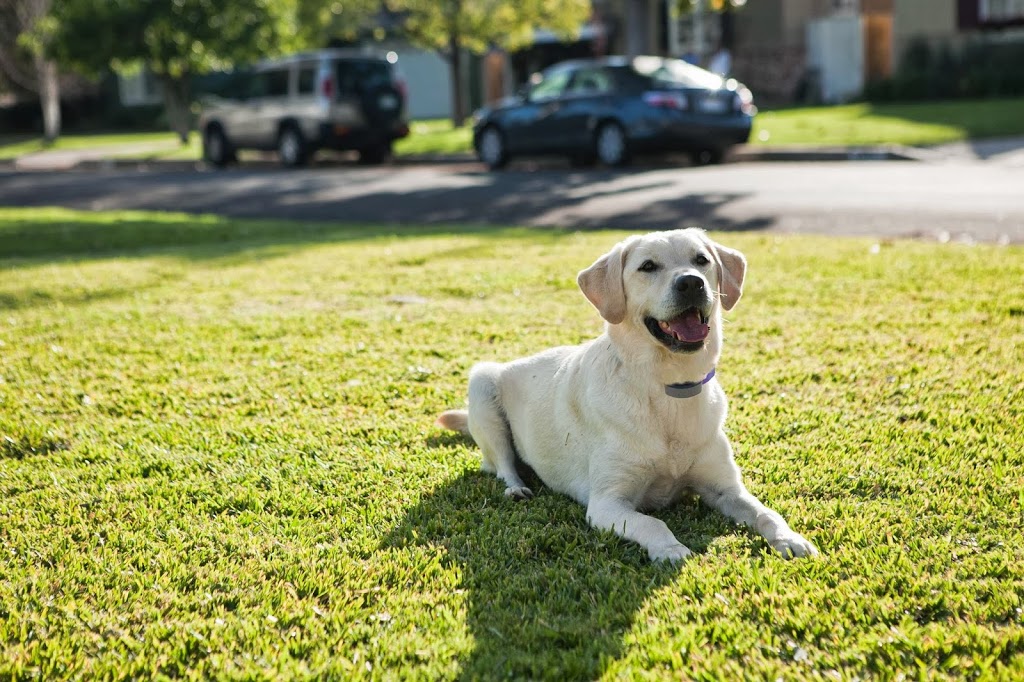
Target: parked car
x,y
611,108
330,99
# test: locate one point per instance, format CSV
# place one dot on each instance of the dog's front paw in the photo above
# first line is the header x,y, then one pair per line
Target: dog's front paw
x,y
674,553
519,492
794,545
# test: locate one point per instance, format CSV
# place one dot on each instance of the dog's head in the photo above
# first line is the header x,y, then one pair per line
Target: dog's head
x,y
671,284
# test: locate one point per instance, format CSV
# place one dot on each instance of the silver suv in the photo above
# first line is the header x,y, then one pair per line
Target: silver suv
x,y
331,99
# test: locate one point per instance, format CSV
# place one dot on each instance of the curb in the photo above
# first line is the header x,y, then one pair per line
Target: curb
x,y
17,166
157,165
740,154
867,153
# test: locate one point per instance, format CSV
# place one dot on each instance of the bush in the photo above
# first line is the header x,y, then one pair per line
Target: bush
x,y
144,117
981,68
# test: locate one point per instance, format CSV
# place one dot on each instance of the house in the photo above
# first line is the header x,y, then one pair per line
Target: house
x,y
952,22
775,50
788,50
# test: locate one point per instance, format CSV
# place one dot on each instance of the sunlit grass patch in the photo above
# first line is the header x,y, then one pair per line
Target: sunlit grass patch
x,y
921,123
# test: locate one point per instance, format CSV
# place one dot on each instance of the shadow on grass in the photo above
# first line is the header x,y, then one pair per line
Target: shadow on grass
x,y
307,206
192,237
549,597
29,297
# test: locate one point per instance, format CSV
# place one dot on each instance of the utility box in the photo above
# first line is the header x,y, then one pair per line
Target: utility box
x,y
835,55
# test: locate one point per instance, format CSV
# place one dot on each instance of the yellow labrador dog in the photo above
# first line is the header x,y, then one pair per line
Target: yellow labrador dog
x,y
632,419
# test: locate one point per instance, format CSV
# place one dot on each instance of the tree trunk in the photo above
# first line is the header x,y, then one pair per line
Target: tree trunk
x,y
727,28
49,97
454,59
176,104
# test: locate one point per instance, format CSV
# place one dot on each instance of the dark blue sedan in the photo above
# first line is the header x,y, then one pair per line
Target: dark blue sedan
x,y
608,109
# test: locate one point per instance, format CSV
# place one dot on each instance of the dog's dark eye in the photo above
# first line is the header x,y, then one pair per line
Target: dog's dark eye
x,y
648,266
701,259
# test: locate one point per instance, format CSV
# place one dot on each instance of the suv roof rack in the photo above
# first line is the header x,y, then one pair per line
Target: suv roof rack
x,y
330,52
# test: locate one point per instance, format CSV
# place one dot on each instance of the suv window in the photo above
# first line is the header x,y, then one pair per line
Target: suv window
x,y
275,83
237,85
307,80
362,76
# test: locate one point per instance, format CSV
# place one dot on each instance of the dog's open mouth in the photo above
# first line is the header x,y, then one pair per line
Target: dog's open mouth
x,y
685,332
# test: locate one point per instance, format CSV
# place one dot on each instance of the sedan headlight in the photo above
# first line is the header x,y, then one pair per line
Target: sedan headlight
x,y
478,116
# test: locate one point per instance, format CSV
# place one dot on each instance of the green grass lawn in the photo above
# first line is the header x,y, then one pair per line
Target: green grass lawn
x,y
218,460
148,145
907,124
436,137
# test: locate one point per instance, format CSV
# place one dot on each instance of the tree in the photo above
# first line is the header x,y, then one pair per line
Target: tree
x,y
173,39
451,25
320,22
25,32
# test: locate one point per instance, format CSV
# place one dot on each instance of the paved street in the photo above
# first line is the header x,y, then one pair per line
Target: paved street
x,y
956,199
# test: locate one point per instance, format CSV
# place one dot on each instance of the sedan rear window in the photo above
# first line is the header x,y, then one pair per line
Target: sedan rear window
x,y
677,72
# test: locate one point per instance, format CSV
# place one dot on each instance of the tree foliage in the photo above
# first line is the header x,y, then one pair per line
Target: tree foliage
x,y
477,25
20,21
174,39
26,32
321,21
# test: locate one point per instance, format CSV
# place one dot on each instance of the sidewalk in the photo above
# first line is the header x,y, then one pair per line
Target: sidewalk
x,y
1000,151
106,156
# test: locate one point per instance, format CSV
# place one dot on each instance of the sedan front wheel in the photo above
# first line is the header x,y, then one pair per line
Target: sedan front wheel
x,y
611,145
491,148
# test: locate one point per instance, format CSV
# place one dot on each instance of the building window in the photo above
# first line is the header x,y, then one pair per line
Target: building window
x,y
999,11
990,13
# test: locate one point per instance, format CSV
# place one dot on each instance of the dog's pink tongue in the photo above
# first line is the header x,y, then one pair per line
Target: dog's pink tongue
x,y
688,327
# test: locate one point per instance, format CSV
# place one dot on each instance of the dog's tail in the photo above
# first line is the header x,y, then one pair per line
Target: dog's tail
x,y
455,420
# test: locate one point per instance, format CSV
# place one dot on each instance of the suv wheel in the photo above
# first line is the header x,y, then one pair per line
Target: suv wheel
x,y
378,153
291,147
216,149
610,145
491,148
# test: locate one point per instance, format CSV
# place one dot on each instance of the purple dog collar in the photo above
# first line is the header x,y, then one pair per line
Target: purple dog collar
x,y
688,389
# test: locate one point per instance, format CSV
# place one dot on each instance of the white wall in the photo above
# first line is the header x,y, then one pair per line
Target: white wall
x,y
429,81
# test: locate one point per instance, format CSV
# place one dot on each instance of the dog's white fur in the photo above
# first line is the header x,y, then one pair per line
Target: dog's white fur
x,y
594,420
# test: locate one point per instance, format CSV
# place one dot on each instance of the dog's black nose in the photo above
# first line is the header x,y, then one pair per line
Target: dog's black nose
x,y
688,283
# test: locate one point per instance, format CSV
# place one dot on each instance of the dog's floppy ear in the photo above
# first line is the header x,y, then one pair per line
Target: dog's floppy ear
x,y
602,284
732,268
